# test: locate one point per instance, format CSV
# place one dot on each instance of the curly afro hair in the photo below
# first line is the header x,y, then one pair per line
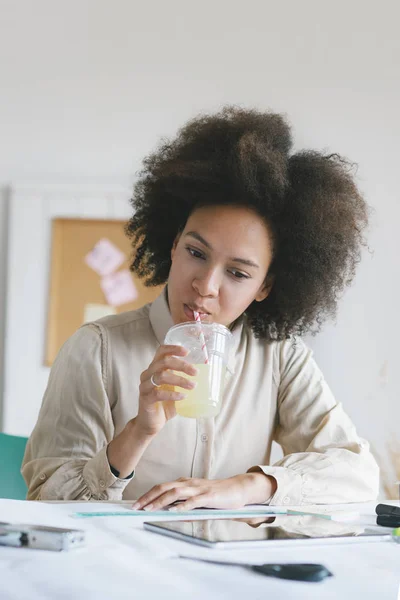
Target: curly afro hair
x,y
309,199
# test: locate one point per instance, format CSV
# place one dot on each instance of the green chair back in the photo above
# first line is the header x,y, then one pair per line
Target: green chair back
x,y
12,484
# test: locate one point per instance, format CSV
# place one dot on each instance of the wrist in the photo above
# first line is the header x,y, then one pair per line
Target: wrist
x,y
261,487
126,449
137,433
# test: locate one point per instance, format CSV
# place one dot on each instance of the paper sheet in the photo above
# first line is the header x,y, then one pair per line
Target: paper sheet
x,y
92,312
122,559
105,257
119,288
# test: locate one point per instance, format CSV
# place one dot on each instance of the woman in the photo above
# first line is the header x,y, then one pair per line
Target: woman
x,y
250,236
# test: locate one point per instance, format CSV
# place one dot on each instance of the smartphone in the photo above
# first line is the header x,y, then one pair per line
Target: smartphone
x,y
41,537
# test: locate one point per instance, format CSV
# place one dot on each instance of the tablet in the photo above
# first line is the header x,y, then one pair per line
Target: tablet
x,y
276,531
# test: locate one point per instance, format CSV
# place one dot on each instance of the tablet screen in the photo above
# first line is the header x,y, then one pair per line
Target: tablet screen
x,y
284,528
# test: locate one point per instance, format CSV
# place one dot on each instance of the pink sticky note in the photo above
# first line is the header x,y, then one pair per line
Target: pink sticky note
x,y
105,257
119,288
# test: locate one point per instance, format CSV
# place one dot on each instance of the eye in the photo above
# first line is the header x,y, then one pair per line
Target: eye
x,y
195,253
238,274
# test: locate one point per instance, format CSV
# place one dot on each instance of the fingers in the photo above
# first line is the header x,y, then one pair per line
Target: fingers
x,y
166,493
162,395
170,358
165,369
195,493
172,363
216,493
164,356
152,494
171,378
157,499
199,500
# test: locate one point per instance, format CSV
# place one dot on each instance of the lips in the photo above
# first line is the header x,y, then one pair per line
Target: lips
x,y
189,312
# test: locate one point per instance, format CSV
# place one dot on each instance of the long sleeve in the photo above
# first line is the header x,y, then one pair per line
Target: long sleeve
x,y
66,458
325,461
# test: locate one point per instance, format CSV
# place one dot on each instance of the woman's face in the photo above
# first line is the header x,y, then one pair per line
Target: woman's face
x,y
219,264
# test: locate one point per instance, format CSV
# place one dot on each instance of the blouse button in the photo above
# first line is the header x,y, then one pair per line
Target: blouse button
x,y
286,500
102,483
42,476
204,437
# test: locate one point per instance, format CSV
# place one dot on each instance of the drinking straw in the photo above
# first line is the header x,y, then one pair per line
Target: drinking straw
x,y
202,338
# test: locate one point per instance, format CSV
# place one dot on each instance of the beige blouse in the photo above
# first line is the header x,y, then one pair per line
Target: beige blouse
x,y
273,391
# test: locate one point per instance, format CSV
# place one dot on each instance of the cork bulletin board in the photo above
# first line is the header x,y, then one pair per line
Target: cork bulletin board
x,y
78,293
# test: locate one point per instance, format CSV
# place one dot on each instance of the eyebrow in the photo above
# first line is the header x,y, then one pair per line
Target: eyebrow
x,y
243,261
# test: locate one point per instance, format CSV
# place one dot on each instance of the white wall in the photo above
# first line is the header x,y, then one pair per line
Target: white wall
x,y
89,86
32,209
3,275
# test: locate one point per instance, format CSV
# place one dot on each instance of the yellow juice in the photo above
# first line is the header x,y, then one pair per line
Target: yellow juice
x,y
203,400
197,402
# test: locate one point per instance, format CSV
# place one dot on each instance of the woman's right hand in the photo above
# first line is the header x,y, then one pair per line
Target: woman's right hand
x,y
157,404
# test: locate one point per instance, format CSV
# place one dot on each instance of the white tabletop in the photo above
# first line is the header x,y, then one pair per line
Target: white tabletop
x,y
122,560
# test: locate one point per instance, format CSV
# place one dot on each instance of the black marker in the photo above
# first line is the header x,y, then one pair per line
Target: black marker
x,y
387,515
311,572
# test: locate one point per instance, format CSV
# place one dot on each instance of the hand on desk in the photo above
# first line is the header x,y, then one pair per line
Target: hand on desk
x,y
234,492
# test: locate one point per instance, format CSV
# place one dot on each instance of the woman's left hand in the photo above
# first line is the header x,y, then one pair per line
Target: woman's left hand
x,y
234,492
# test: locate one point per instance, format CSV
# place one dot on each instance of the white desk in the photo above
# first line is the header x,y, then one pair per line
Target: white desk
x,y
122,560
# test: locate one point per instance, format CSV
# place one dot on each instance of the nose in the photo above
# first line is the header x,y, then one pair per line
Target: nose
x,y
207,283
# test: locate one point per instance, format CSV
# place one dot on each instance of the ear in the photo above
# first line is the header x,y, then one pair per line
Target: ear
x,y
265,289
174,245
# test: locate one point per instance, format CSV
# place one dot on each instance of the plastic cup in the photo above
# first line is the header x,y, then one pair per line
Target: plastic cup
x,y
205,399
